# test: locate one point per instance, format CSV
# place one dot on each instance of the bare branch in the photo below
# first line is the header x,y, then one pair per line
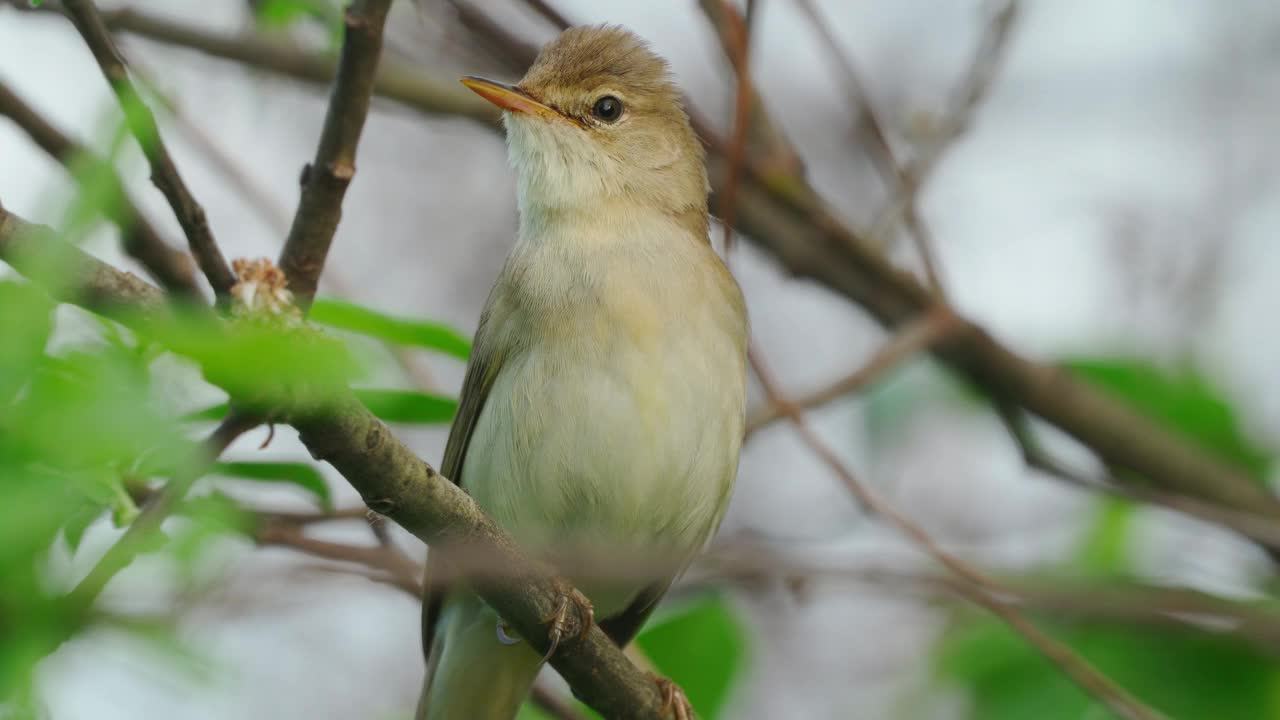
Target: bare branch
x,y
325,181
402,572
548,13
142,124
976,585
401,82
172,268
972,91
1263,530
914,338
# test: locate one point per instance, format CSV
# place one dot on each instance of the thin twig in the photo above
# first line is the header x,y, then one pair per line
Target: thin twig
x,y
325,181
896,180
956,120
914,338
739,44
172,268
406,574
977,586
142,530
1260,529
549,13
84,15
259,198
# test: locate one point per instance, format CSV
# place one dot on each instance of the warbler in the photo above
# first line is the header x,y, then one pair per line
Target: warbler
x,y
603,405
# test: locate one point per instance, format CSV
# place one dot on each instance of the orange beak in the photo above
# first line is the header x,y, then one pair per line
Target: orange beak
x,y
509,98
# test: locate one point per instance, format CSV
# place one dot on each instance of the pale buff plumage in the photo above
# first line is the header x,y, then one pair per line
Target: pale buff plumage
x,y
604,403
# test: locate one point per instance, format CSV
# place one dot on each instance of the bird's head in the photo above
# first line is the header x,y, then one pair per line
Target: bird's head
x,y
597,119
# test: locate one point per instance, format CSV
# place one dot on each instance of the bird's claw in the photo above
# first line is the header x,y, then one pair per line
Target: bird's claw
x,y
560,623
674,703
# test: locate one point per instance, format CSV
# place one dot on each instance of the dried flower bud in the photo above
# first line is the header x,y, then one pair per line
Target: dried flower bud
x,y
262,290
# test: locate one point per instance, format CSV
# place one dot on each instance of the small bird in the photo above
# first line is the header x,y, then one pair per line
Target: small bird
x,y
603,406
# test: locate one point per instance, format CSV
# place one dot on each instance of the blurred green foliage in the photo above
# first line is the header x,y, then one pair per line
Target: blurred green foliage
x,y
282,14
402,331
1187,674
1182,399
87,431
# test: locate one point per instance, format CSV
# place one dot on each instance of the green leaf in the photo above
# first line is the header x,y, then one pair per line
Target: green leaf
x,y
409,406
78,522
701,646
401,331
274,14
26,321
1185,674
1106,545
213,413
394,406
303,475
1181,399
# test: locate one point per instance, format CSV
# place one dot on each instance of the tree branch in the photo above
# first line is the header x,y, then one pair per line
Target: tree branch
x,y
172,268
84,15
915,337
972,583
396,483
325,181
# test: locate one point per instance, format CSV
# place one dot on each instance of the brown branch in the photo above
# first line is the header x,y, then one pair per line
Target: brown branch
x,y
914,338
172,268
258,197
400,571
72,275
548,13
494,37
737,37
396,483
401,82
978,587
84,15
325,181
1263,530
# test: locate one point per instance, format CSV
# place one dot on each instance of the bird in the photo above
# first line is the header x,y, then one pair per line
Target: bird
x,y
603,405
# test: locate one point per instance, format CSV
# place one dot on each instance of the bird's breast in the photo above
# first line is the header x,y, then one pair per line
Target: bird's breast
x,y
617,416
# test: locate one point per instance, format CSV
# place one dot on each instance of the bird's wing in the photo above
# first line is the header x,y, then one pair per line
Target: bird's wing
x,y
482,369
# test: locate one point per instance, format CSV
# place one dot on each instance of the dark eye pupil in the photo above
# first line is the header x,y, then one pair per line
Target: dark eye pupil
x,y
607,108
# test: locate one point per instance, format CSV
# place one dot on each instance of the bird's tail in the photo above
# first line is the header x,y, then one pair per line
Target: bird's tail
x,y
472,674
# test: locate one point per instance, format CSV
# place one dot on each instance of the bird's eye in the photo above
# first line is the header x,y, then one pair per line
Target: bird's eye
x,y
607,108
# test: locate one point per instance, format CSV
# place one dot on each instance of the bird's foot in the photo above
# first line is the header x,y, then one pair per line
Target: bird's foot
x,y
674,703
561,624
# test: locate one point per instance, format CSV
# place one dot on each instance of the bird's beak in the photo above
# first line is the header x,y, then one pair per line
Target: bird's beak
x,y
509,98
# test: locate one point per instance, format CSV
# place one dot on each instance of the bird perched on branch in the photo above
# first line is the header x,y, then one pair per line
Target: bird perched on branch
x,y
603,407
